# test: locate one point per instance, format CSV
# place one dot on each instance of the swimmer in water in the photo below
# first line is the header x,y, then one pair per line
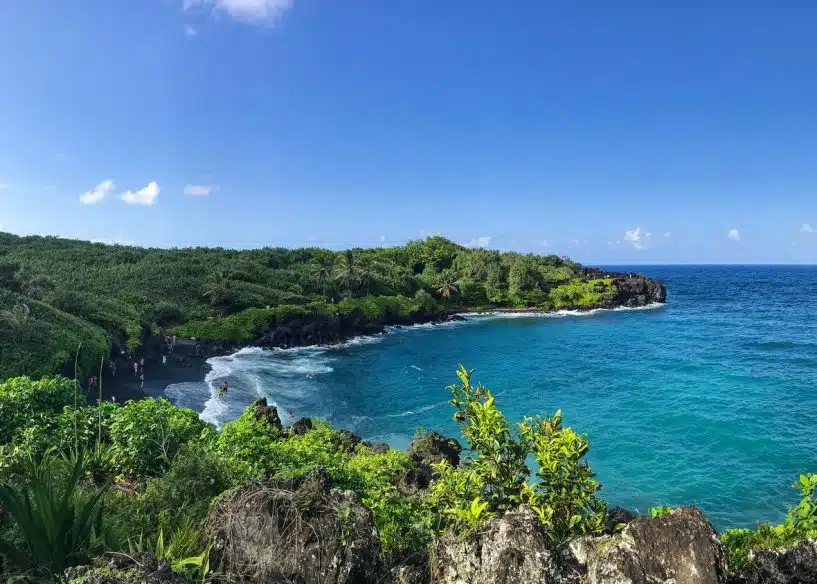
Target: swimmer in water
x,y
223,389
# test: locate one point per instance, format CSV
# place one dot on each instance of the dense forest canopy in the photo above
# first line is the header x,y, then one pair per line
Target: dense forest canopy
x,y
56,294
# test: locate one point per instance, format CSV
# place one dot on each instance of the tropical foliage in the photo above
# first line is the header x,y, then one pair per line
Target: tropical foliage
x,y
59,294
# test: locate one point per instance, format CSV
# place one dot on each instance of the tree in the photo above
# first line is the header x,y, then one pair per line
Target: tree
x,y
447,289
33,285
322,270
18,319
217,288
346,271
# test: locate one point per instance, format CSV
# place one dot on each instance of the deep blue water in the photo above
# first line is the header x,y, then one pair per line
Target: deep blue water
x,y
709,400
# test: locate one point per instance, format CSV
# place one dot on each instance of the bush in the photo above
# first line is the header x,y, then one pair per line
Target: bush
x,y
493,478
147,435
800,524
28,403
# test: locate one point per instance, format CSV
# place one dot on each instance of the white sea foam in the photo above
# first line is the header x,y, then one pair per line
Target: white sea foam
x,y
416,412
415,367
556,313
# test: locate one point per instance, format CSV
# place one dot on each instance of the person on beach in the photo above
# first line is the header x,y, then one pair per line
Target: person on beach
x,y
164,360
135,368
142,380
112,367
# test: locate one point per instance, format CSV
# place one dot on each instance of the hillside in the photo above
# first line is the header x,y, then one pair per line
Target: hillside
x,y
81,293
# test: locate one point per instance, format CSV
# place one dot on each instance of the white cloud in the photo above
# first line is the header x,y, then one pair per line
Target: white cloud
x,y
199,190
806,228
544,243
733,234
97,193
483,241
382,238
251,11
638,237
573,243
146,196
116,241
190,31
668,234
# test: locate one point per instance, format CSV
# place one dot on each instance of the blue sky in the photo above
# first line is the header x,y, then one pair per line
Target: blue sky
x,y
613,132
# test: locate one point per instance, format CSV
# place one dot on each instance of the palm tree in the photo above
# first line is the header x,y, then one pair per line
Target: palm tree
x,y
217,289
322,270
447,289
17,318
346,271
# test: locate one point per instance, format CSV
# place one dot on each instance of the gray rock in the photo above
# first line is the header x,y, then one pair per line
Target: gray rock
x,y
267,413
512,549
306,533
112,568
426,449
793,565
678,548
302,426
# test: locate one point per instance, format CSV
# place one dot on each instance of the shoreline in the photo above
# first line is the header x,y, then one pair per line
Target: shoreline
x,y
185,366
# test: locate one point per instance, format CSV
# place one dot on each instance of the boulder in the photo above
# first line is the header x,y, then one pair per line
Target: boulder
x,y
380,448
302,531
618,517
512,549
302,426
792,565
267,413
677,548
112,568
430,447
426,449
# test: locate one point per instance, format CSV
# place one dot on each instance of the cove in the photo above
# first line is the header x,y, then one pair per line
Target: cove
x,y
709,400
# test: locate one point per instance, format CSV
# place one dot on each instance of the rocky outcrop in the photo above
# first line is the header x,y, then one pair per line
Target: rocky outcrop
x,y
793,565
618,518
267,413
679,547
427,449
631,290
513,549
305,532
113,568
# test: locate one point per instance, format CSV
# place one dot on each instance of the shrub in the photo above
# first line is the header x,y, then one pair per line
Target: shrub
x,y
800,524
27,403
146,435
493,478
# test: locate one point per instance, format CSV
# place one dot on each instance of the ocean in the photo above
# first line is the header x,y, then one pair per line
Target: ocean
x,y
709,400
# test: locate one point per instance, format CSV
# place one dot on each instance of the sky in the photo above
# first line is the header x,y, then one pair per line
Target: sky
x,y
624,132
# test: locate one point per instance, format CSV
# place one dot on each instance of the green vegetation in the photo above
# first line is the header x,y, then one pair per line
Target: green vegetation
x,y
800,524
494,477
77,479
58,294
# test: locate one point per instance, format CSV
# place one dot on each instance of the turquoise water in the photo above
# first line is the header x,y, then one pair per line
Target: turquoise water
x,y
710,400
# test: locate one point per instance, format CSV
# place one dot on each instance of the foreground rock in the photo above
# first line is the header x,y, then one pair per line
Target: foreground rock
x,y
678,548
304,532
124,569
793,565
632,290
512,549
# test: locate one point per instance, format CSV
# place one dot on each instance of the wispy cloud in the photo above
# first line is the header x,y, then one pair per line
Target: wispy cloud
x,y
544,243
483,241
733,234
382,238
806,228
639,238
114,241
199,190
145,196
190,31
97,193
250,11
668,234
